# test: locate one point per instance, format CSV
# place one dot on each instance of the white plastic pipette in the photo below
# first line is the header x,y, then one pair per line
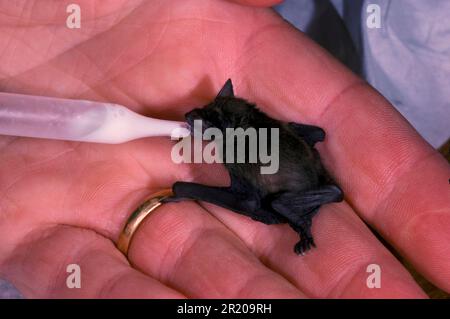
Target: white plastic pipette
x,y
79,120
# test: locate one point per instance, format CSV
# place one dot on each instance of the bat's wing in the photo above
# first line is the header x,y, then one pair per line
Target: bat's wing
x,y
299,208
239,202
221,196
294,205
310,133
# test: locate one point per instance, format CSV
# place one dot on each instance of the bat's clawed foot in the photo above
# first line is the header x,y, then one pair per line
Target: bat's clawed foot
x,y
306,239
305,244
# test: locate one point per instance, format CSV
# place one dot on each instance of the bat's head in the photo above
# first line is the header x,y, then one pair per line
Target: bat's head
x,y
225,111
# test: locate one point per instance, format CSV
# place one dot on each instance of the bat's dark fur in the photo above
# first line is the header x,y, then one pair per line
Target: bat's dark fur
x,y
293,195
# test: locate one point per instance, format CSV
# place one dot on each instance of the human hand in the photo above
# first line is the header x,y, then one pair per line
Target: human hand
x,y
66,202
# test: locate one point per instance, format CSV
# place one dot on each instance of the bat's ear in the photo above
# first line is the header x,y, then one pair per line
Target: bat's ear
x,y
226,90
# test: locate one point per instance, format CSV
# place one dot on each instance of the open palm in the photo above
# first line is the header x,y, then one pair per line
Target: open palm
x,y
65,203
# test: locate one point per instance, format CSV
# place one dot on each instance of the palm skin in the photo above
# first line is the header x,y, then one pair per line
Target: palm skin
x,y
65,202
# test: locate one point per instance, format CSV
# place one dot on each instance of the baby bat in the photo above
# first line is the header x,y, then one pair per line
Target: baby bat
x,y
292,195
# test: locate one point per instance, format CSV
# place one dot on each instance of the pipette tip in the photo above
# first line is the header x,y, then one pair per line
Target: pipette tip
x,y
183,130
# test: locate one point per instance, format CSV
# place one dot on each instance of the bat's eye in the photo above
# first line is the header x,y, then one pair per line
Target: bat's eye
x,y
195,114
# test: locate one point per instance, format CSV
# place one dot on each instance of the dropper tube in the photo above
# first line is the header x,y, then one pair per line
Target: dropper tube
x,y
79,120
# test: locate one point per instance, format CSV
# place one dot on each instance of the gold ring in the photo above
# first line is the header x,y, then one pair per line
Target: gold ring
x,y
136,218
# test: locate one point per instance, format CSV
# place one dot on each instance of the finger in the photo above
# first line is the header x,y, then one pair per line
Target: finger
x,y
389,174
337,268
184,247
258,3
38,267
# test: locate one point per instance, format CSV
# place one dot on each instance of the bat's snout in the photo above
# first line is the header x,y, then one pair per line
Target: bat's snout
x,y
192,116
